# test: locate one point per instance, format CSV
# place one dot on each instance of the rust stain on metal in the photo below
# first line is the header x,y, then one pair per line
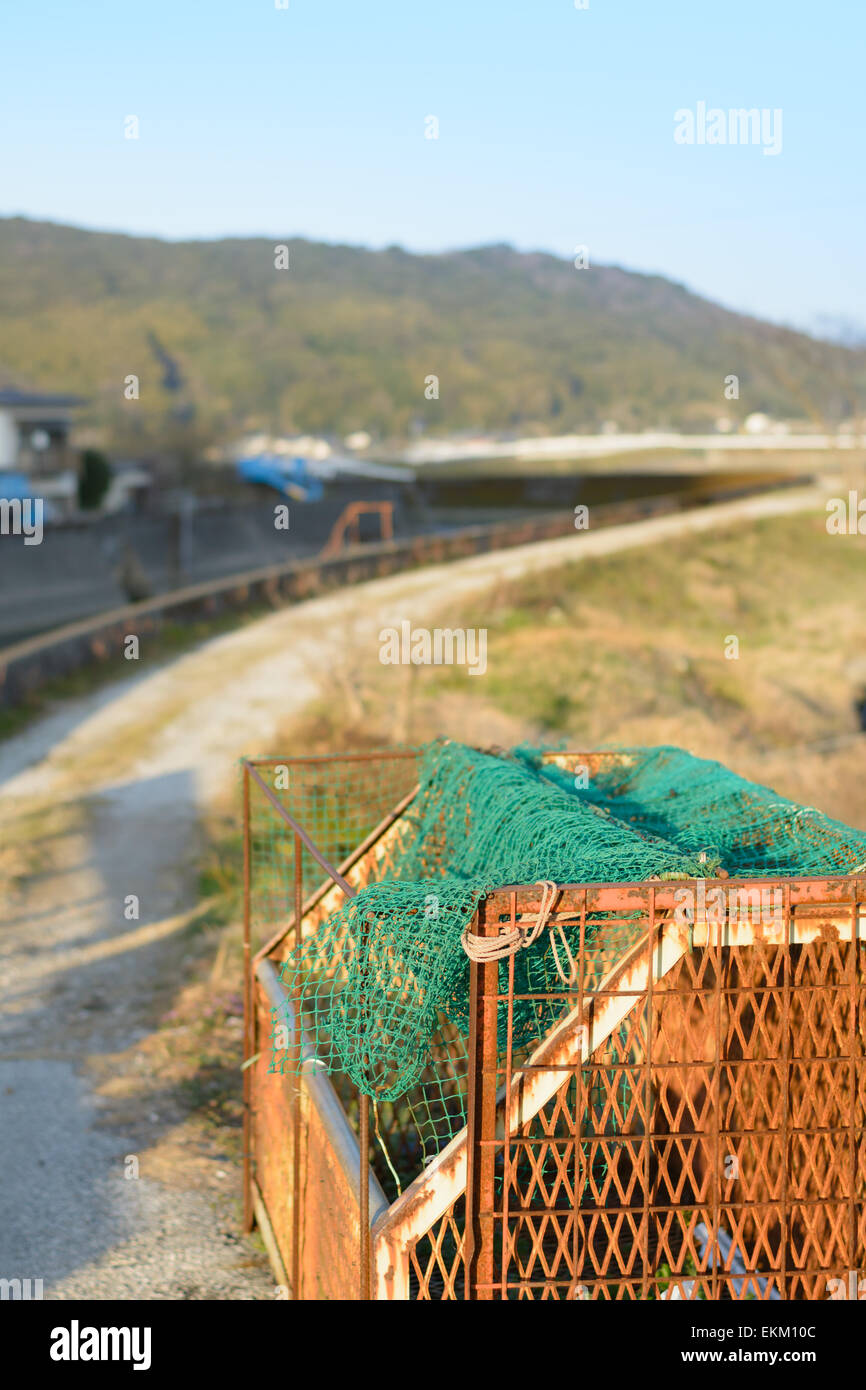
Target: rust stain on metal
x,y
735,1036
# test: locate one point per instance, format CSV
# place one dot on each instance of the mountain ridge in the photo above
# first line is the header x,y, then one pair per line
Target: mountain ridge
x,y
347,337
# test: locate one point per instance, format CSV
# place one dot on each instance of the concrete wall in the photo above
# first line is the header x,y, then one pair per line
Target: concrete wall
x,y
77,571
8,439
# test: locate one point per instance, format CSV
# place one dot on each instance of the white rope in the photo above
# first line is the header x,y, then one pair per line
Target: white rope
x,y
485,949
571,977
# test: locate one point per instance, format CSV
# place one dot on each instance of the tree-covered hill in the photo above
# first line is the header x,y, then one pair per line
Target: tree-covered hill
x,y
345,338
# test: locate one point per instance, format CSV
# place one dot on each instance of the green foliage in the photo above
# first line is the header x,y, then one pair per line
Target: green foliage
x,y
345,337
93,479
665,1275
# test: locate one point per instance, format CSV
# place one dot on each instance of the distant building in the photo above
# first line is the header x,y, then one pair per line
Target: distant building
x,y
34,441
757,423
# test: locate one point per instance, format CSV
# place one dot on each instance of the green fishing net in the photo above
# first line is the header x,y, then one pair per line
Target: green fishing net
x,y
381,988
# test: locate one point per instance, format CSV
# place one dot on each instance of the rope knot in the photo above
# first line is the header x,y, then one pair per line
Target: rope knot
x,y
485,949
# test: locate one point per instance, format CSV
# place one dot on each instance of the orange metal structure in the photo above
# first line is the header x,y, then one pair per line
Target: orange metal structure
x,y
347,527
691,1128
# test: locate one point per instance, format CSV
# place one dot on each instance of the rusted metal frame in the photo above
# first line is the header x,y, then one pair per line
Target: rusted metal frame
x,y
348,524
320,1092
426,1199
364,1167
769,1203
787,917
372,755
249,1016
852,1135
806,892
506,1158
269,1237
646,1146
580,1094
757,991
483,1053
300,839
827,1130
470,1169
573,1040
487,1058
563,996
593,761
349,863
296,1098
299,830
716,1102
364,1136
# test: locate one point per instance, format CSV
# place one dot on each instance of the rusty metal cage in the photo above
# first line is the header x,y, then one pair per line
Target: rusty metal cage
x,y
690,1128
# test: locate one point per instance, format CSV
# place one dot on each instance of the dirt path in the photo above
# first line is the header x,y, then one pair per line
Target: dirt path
x,y
100,804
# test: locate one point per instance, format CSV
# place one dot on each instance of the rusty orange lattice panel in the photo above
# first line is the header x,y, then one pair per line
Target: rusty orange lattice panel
x,y
436,1259
709,1145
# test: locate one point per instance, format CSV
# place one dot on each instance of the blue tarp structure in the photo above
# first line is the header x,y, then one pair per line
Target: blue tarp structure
x,y
14,485
289,477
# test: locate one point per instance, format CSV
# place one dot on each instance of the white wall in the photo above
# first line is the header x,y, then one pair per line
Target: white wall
x,y
8,439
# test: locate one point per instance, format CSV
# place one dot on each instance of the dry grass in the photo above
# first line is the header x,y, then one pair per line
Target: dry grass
x,y
631,649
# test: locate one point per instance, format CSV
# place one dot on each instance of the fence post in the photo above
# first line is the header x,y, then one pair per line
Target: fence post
x,y
296,1097
480,1226
364,1192
249,1018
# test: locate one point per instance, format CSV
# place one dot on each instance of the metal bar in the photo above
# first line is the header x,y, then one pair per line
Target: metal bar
x,y
787,917
646,1147
349,863
581,1098
296,1098
302,760
814,892
506,1161
266,1230
716,1102
364,1132
483,1059
366,1268
249,1017
852,1135
529,1213
299,830
632,1282
469,1134
630,1141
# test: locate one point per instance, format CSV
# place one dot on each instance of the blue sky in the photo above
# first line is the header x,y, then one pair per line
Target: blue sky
x,y
555,130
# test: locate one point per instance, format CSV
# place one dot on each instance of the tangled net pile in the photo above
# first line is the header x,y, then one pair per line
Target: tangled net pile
x,y
372,984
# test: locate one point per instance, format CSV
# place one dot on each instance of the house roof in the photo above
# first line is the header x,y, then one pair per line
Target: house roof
x,y
14,391
40,399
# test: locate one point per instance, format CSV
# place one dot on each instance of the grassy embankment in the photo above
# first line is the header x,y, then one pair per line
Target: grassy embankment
x,y
632,648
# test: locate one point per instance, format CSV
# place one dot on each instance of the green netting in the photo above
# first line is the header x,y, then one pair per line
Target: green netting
x,y
382,987
372,982
696,805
